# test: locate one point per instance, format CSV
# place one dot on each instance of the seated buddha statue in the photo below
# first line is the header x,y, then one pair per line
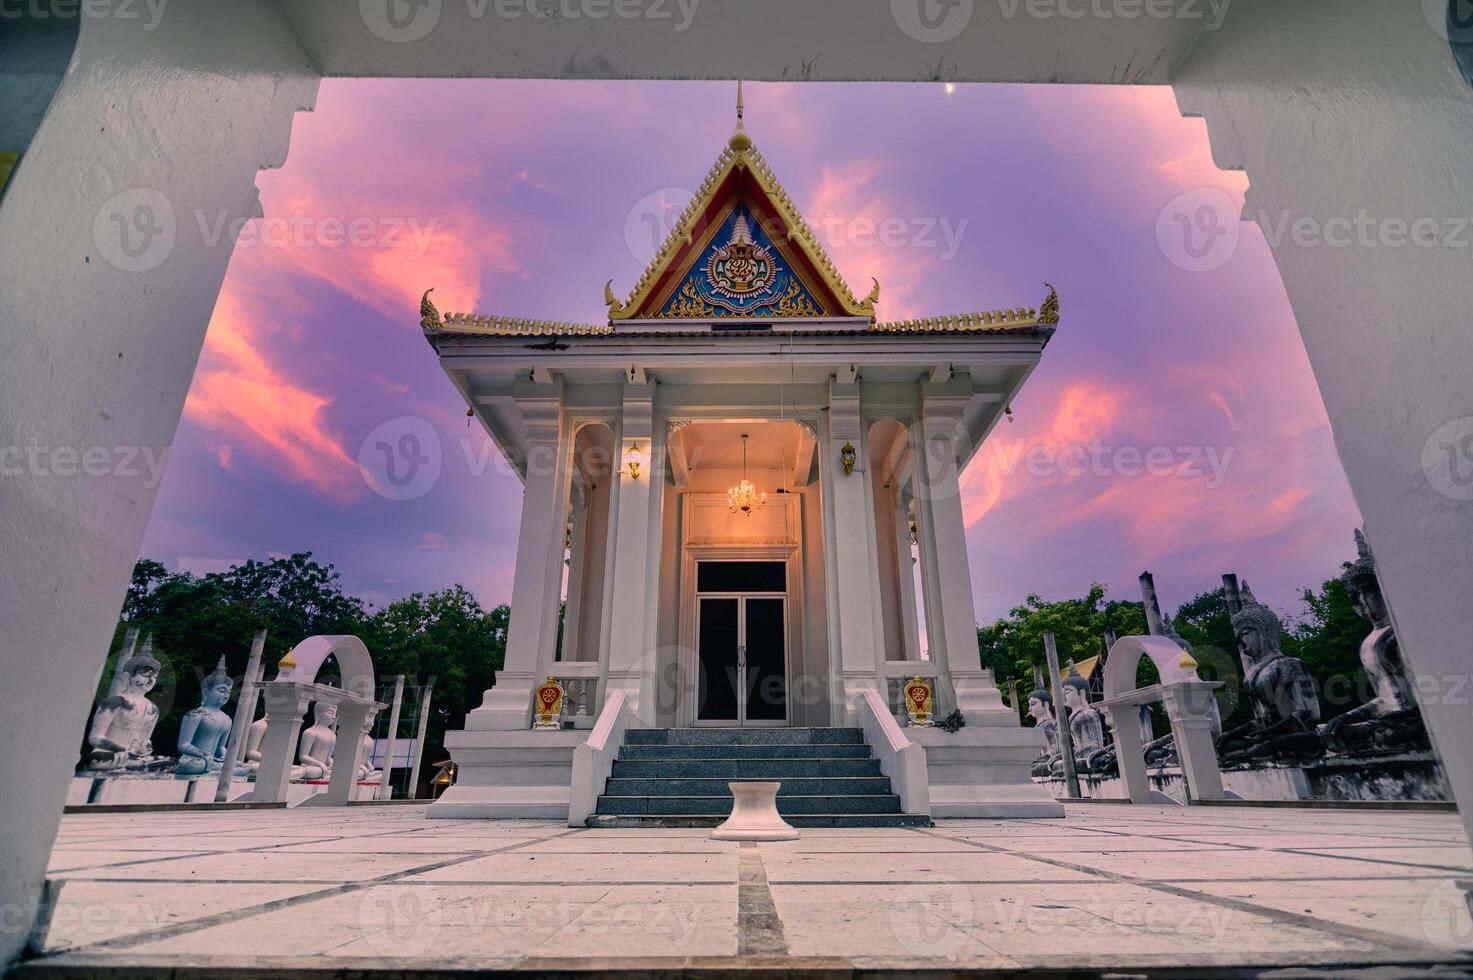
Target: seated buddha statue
x,y
1040,708
315,749
205,731
121,733
366,771
1391,719
1279,689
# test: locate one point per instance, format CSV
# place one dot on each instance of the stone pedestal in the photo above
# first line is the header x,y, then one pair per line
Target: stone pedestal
x,y
509,775
754,815
984,772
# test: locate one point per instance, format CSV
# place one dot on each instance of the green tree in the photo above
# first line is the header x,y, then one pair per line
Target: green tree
x,y
1328,640
446,635
1013,645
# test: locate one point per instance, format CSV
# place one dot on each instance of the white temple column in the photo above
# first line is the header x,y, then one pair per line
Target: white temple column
x,y
633,666
577,564
951,618
852,570
537,584
1378,277
106,288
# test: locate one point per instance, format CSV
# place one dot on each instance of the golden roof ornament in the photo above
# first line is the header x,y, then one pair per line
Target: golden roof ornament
x,y
287,662
429,317
612,301
740,141
1049,311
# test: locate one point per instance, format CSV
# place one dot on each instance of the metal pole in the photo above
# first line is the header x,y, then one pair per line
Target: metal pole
x,y
419,739
1061,712
245,713
385,788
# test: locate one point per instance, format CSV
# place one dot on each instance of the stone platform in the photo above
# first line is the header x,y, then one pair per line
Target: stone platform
x,y
381,890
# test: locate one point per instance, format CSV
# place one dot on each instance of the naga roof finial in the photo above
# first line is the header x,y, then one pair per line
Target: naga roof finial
x,y
429,317
1049,311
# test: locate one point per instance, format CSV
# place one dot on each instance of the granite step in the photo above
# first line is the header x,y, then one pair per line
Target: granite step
x,y
824,786
746,750
720,806
731,736
743,768
806,820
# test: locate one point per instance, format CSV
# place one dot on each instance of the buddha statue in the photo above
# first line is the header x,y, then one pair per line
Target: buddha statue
x,y
1279,689
1391,719
1086,724
254,739
205,730
366,771
120,737
1040,708
315,749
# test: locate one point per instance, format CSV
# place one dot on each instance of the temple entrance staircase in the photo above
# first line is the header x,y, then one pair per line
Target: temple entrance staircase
x,y
677,777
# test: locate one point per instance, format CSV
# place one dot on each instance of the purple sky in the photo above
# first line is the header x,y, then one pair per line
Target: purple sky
x,y
522,198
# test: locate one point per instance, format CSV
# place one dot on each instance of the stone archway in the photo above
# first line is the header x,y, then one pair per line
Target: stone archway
x,y
355,664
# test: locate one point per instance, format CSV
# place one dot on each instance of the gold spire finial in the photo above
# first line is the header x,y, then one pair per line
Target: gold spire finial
x,y
740,141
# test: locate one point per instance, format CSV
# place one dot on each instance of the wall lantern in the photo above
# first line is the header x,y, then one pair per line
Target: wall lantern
x,y
848,457
635,458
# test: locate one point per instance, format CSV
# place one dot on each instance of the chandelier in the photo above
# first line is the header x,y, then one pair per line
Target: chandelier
x,y
744,497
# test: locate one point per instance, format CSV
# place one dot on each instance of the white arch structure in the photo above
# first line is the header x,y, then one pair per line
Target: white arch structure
x,y
101,353
1189,705
354,663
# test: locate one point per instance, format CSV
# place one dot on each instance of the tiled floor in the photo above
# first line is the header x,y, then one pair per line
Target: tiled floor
x,y
1108,887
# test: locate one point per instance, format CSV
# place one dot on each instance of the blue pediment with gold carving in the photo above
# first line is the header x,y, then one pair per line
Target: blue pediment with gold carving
x,y
741,273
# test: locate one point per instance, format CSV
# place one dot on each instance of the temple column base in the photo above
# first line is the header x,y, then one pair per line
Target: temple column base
x,y
506,707
505,775
983,772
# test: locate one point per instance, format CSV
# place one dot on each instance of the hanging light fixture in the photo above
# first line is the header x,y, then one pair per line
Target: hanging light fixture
x,y
744,497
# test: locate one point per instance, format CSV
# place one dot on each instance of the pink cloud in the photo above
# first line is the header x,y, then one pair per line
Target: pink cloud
x,y
239,394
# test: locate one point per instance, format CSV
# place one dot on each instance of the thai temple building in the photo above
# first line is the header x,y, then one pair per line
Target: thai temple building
x,y
742,491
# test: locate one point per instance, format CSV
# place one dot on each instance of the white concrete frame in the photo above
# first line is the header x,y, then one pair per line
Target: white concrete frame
x,y
103,356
